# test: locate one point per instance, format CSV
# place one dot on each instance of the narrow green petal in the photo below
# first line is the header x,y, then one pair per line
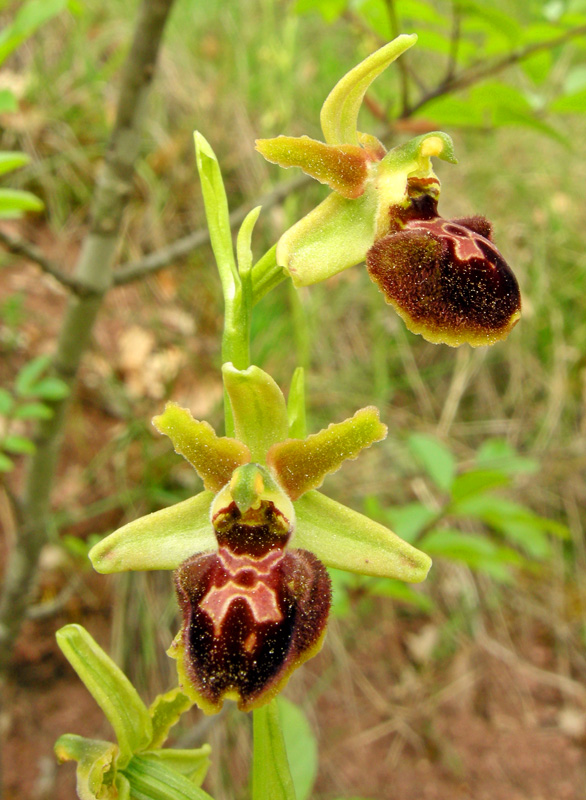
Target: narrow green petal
x,y
110,688
344,539
334,236
96,768
214,458
341,167
258,405
302,464
162,540
166,711
339,113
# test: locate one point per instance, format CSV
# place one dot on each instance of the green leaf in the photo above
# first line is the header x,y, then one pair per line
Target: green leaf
x,y
50,389
6,465
339,114
30,374
151,779
8,102
258,407
302,464
477,482
477,552
162,540
18,444
452,111
96,770
497,454
403,593
33,411
435,458
271,775
166,711
29,18
110,688
296,405
329,9
344,539
193,764
13,202
6,402
217,214
213,457
301,747
570,103
10,161
407,520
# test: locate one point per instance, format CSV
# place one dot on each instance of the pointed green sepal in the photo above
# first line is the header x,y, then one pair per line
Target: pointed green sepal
x,y
162,540
334,236
152,779
258,406
96,765
339,114
344,539
214,458
342,167
110,688
302,464
193,764
166,711
296,405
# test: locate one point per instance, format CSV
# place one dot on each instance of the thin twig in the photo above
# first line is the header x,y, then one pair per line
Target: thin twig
x,y
475,74
454,42
20,247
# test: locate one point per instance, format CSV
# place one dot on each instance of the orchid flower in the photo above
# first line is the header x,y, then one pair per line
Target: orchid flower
x,y
249,551
445,278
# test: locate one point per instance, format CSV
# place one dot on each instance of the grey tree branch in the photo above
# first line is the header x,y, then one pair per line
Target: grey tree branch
x,y
93,271
20,247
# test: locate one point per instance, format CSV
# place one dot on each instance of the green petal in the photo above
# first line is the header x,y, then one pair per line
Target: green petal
x,y
110,688
193,764
344,539
339,113
334,236
96,769
302,464
214,458
166,711
258,405
162,540
341,167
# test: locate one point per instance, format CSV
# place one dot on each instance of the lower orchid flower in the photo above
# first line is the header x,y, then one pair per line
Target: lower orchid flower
x,y
445,278
249,551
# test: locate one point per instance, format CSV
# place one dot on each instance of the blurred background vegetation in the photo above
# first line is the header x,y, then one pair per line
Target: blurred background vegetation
x,y
486,456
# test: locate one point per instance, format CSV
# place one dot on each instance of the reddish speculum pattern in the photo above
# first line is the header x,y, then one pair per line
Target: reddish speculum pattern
x,y
252,612
445,277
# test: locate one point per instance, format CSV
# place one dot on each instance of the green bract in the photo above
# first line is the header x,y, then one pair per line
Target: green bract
x,y
136,764
339,536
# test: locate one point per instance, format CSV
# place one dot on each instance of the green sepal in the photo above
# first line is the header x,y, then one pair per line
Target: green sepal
x,y
11,160
296,405
217,214
334,236
302,464
213,457
14,202
152,779
258,406
162,540
193,763
96,765
342,167
344,539
110,688
339,114
166,711
271,776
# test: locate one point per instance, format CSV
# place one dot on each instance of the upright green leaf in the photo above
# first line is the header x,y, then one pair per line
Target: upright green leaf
x,y
152,779
30,16
271,775
301,747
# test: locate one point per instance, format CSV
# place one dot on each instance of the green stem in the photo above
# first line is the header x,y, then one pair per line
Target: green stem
x,y
271,775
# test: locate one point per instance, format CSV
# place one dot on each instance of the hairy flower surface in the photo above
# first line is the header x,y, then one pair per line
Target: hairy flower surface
x,y
444,277
249,551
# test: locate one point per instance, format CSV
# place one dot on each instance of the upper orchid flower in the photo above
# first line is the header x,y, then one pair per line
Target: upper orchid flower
x,y
444,277
248,550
